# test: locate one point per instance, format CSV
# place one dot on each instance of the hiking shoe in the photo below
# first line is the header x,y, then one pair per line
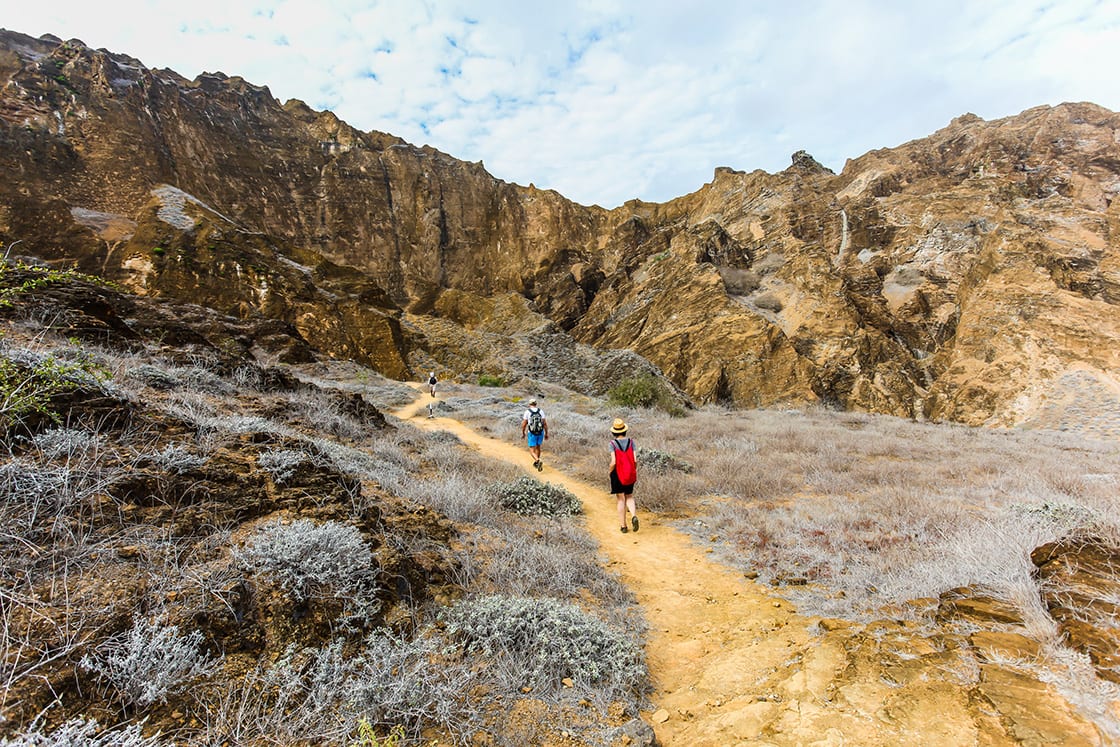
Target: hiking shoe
x,y
623,529
537,464
540,466
634,522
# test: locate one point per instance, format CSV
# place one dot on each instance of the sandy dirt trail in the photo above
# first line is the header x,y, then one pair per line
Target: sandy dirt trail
x,y
733,665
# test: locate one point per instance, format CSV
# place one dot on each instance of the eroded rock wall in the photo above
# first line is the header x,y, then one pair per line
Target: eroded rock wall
x,y
972,275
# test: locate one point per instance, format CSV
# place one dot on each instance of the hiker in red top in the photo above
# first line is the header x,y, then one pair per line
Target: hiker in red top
x,y
624,473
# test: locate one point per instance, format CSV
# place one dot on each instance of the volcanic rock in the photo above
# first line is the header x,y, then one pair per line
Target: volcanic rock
x,y
972,275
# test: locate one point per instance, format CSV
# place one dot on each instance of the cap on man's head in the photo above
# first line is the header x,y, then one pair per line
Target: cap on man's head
x,y
618,427
532,402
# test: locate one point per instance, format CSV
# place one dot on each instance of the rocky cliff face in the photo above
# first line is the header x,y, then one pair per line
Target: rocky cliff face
x,y
972,275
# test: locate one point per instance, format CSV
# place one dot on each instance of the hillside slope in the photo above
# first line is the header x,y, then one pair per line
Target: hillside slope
x,y
960,276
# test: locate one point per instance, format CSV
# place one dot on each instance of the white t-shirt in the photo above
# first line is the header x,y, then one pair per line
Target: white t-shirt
x,y
527,413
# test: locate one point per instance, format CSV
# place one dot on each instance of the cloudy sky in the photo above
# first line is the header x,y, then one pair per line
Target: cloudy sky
x,y
608,100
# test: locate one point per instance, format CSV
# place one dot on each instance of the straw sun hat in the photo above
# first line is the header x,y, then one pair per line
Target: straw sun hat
x,y
618,427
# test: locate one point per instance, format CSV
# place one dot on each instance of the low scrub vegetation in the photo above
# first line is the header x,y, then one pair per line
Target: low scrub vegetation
x,y
492,380
644,392
149,663
550,639
82,733
309,560
534,498
200,550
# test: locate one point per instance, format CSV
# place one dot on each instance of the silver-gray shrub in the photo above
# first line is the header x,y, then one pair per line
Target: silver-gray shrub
x,y
153,376
31,493
327,561
81,733
415,682
531,497
548,640
177,459
660,462
149,662
282,463
318,694
195,378
298,699
66,443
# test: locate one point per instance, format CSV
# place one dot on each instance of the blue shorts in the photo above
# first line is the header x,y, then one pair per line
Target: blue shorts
x,y
535,439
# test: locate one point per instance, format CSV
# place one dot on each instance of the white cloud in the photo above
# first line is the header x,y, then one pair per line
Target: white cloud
x,y
606,101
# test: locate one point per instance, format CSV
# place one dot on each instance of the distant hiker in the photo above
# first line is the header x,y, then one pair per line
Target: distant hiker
x,y
624,473
431,410
535,427
432,383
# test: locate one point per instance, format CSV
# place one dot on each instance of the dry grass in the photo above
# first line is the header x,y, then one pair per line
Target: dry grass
x,y
870,510
64,523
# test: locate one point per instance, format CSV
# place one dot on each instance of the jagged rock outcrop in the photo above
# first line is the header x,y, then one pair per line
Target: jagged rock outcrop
x,y
970,276
1077,577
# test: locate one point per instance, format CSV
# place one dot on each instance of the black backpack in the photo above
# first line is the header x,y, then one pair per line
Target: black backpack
x,y
536,421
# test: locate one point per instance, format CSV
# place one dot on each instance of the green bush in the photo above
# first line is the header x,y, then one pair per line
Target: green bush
x,y
549,639
29,381
529,497
491,380
644,391
641,391
20,279
367,737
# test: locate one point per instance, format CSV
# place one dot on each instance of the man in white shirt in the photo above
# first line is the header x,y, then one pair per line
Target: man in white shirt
x,y
534,426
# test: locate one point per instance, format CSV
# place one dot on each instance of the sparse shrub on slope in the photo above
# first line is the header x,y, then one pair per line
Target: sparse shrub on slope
x,y
153,376
532,498
149,662
298,699
549,640
644,391
660,462
309,560
177,459
641,391
82,733
281,463
29,381
412,683
65,443
167,377
33,494
322,695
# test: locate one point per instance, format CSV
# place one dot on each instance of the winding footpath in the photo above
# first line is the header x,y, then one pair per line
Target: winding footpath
x,y
733,665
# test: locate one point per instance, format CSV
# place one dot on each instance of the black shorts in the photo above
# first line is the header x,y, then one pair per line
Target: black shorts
x,y
617,487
